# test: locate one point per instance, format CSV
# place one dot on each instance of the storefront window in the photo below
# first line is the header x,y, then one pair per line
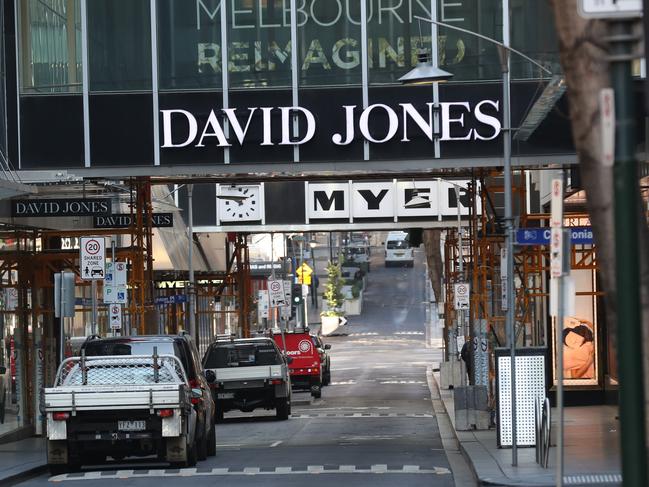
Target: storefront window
x,y
119,45
329,42
537,39
50,46
189,44
259,36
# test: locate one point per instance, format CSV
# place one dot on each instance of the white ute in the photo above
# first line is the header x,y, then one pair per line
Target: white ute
x,y
119,406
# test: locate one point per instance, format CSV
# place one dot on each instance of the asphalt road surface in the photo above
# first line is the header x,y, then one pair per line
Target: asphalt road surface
x,y
374,425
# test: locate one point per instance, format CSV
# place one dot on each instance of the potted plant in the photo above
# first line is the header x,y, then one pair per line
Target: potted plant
x,y
334,299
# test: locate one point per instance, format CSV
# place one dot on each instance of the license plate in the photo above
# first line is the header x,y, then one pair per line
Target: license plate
x,y
399,254
225,395
131,425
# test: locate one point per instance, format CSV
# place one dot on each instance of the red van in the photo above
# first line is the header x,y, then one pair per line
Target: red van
x,y
305,369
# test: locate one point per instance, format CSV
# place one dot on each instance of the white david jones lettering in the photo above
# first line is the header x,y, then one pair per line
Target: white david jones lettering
x,y
466,121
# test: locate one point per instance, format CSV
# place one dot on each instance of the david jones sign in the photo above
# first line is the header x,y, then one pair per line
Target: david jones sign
x,y
459,121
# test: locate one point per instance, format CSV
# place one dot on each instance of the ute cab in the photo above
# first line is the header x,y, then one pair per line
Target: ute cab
x,y
306,367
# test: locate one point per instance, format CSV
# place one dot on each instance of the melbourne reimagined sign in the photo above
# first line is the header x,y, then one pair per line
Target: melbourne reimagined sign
x,y
459,121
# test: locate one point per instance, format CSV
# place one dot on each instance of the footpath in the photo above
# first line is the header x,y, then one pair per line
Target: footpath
x,y
592,452
22,459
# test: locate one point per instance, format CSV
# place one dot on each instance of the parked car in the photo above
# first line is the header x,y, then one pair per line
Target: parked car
x,y
247,374
325,360
136,405
305,368
398,250
183,347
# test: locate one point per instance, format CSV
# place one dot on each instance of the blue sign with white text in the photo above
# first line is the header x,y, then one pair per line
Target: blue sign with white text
x,y
175,299
541,236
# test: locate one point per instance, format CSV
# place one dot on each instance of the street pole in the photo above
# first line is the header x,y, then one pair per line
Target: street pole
x,y
273,309
509,222
629,318
460,244
112,260
93,290
191,303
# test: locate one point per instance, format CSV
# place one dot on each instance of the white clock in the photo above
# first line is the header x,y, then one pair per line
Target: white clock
x,y
240,203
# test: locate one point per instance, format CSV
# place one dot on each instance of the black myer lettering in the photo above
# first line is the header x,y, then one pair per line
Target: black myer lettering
x,y
336,199
373,201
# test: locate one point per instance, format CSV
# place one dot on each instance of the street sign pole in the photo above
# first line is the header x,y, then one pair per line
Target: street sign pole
x,y
627,221
557,270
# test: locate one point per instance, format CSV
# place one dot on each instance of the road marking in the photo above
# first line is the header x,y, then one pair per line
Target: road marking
x,y
402,382
409,333
379,469
360,415
277,443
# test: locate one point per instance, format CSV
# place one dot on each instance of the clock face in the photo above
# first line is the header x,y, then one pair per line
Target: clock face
x,y
244,205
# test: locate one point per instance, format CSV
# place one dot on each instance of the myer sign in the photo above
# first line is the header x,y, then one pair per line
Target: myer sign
x,y
459,121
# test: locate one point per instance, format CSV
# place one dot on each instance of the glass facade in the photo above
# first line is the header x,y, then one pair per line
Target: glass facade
x,y
329,43
50,41
119,45
259,44
189,45
270,63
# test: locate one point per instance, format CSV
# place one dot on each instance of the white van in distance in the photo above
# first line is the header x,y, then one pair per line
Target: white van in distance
x,y
398,250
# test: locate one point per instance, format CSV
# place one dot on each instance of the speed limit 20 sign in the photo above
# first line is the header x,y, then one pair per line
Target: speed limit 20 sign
x,y
462,295
92,258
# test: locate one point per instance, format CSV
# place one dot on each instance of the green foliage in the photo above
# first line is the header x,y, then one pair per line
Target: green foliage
x,y
333,290
356,289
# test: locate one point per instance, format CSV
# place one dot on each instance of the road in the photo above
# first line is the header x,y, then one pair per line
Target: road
x,y
374,425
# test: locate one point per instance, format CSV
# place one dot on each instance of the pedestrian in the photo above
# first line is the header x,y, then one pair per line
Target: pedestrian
x,y
466,357
314,294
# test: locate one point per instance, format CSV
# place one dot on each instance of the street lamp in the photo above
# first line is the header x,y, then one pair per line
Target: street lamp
x,y
415,77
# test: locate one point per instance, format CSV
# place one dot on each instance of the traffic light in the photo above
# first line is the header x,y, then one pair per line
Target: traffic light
x,y
296,295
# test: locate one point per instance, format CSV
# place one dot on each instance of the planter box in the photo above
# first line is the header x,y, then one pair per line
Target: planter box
x,y
329,324
353,307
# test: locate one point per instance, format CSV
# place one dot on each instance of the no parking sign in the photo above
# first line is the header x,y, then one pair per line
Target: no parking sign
x,y
115,316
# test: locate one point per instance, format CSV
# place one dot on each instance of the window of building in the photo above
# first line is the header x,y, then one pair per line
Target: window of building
x,y
537,39
50,46
189,44
329,42
468,57
394,35
259,37
119,45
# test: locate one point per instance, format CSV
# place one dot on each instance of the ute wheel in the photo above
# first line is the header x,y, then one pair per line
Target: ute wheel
x,y
211,442
326,378
283,410
316,391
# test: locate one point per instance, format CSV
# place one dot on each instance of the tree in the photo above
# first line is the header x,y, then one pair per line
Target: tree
x,y
582,51
333,289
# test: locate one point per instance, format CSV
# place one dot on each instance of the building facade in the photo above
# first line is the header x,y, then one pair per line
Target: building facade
x,y
112,89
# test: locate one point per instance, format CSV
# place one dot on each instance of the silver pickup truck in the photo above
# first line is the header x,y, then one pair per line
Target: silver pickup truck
x,y
247,374
119,406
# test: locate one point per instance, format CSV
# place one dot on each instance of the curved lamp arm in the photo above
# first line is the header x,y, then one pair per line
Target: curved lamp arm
x,y
489,39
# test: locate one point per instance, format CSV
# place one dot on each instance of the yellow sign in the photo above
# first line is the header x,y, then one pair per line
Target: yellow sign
x,y
304,273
